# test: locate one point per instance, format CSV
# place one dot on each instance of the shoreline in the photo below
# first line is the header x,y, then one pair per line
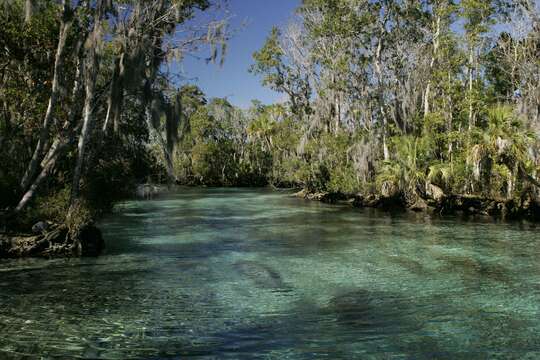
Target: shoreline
x,y
524,209
56,241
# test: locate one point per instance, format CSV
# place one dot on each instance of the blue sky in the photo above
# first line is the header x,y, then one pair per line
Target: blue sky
x,y
233,80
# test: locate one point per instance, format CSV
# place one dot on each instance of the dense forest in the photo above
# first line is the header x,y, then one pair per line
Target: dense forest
x,y
419,104
423,103
431,104
85,88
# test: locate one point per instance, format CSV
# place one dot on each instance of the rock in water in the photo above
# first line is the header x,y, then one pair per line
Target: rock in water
x,y
91,240
262,275
148,191
419,205
40,227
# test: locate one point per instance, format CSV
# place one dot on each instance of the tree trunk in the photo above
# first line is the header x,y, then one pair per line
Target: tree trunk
x,y
91,69
436,42
114,100
55,92
83,137
378,71
28,10
471,80
61,141
337,106
47,168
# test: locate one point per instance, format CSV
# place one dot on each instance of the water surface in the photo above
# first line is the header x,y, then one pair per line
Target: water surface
x,y
247,274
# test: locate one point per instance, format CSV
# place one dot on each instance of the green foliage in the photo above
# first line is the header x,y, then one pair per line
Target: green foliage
x,y
114,162
280,76
383,96
501,83
405,171
268,61
52,206
79,215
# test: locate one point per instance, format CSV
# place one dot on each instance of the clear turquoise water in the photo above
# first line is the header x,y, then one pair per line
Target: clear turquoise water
x,y
252,274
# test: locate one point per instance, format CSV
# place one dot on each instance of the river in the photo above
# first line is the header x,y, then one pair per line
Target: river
x,y
248,274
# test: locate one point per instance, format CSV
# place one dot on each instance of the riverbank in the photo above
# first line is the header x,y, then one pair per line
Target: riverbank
x,y
55,239
52,241
52,227
436,202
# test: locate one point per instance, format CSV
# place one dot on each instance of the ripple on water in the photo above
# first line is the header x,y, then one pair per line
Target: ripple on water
x,y
243,274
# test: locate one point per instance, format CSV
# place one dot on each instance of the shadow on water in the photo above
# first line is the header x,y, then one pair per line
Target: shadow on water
x,y
476,270
219,274
358,322
372,313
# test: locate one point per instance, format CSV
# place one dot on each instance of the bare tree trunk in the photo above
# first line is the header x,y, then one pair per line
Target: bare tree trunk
x,y
338,114
55,92
83,138
337,106
69,124
471,79
61,141
378,71
28,10
436,43
114,99
91,69
46,169
450,121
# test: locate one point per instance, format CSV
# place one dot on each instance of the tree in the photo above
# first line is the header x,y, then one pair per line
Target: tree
x,y
279,76
98,41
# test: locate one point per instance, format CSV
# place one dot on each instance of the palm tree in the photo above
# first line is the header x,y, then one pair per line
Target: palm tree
x,y
262,129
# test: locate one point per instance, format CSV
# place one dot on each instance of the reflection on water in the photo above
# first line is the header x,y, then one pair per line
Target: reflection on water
x,y
246,274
